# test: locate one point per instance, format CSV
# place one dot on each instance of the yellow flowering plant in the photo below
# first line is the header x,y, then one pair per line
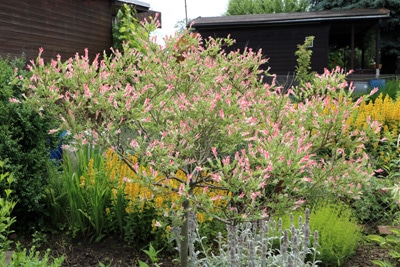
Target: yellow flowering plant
x,y
133,200
376,206
386,111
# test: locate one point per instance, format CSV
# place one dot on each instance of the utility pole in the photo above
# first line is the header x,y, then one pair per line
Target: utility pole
x,y
186,17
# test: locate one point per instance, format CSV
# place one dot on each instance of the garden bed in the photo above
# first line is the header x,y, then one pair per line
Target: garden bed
x,y
115,252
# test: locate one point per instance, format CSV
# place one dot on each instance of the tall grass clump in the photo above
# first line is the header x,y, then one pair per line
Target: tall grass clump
x,y
89,192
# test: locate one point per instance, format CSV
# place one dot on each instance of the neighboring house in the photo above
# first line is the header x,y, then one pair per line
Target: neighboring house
x,y
59,26
279,34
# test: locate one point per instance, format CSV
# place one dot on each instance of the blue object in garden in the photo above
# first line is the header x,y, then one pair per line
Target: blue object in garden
x,y
379,83
57,153
360,87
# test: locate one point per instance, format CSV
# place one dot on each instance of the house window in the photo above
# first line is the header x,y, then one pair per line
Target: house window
x,y
307,40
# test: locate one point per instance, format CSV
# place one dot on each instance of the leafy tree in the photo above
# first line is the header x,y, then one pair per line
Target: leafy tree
x,y
128,29
246,7
390,39
181,25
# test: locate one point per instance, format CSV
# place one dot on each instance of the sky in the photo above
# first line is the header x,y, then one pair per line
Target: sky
x,y
173,11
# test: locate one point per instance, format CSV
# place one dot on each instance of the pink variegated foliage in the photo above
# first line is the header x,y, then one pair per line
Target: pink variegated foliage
x,y
208,113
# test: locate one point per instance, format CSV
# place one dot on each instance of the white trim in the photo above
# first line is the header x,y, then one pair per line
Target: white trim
x,y
136,2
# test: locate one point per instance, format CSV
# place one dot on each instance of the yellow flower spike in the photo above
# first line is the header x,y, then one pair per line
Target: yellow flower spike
x,y
201,217
91,171
129,209
158,202
141,206
82,181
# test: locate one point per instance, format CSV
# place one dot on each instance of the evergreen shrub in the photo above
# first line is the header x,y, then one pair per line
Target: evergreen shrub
x,y
24,146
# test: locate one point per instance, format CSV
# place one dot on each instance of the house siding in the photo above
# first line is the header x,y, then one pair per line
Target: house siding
x,y
279,43
59,26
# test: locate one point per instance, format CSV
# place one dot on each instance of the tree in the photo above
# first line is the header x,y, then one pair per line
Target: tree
x,y
206,113
128,29
390,39
246,7
181,25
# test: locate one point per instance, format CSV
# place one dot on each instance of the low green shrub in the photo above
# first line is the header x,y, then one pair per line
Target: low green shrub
x,y
31,257
338,231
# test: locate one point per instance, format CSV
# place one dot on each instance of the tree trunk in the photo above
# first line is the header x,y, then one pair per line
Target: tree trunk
x,y
185,235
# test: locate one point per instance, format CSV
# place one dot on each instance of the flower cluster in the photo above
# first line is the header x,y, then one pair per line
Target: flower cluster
x,y
386,111
161,197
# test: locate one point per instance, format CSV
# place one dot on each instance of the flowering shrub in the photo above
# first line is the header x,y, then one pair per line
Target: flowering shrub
x,y
206,114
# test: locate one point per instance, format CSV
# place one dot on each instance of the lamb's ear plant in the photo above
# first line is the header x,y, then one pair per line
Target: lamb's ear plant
x,y
265,243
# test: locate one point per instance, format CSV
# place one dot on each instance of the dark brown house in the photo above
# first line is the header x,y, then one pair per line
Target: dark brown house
x,y
59,26
279,34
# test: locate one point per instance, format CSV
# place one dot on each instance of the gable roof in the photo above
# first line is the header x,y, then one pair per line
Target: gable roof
x,y
289,18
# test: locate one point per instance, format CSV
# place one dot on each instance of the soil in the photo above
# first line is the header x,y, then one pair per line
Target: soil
x,y
113,251
110,251
365,254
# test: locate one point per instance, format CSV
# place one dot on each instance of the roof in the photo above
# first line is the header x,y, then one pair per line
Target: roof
x,y
290,18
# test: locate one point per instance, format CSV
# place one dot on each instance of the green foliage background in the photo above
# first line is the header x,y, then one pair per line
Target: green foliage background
x,y
246,7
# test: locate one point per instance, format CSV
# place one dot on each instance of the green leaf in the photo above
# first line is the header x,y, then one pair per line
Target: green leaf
x,y
382,263
143,264
376,238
